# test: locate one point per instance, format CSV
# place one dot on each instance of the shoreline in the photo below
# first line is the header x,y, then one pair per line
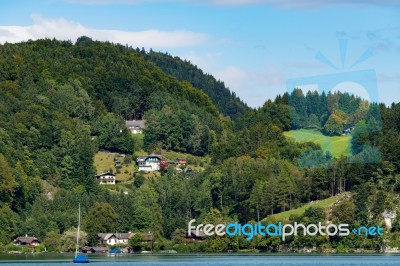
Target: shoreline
x,y
394,251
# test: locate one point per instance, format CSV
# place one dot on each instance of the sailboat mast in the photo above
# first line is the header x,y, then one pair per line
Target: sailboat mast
x,y
79,227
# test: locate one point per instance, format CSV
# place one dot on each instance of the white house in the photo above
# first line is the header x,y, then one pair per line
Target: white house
x,y
135,126
388,217
122,239
348,130
114,238
149,163
106,179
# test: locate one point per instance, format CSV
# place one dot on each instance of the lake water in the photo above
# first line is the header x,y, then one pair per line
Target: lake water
x,y
204,259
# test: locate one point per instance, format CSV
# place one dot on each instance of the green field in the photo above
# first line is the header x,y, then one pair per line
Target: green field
x,y
326,203
104,161
337,146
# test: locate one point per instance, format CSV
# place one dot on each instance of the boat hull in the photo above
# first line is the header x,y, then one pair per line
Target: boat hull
x,y
80,259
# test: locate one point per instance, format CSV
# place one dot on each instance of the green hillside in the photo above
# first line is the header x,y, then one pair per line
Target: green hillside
x,y
62,112
62,102
326,203
337,145
226,101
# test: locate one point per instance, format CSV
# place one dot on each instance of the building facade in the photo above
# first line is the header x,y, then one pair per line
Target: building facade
x,y
106,179
112,239
149,163
135,126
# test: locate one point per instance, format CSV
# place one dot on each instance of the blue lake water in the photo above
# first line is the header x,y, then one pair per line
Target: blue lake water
x,y
204,259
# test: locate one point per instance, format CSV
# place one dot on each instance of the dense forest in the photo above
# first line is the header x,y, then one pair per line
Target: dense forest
x,y
225,100
61,102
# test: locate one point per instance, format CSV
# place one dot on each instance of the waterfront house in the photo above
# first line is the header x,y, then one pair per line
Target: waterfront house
x,y
95,250
114,238
195,235
122,239
26,241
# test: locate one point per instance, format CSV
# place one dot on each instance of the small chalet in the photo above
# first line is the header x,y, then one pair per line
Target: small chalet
x,y
149,163
388,217
196,235
148,237
114,238
135,126
106,179
26,241
348,130
95,250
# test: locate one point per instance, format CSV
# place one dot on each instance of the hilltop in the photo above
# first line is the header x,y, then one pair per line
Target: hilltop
x,y
226,101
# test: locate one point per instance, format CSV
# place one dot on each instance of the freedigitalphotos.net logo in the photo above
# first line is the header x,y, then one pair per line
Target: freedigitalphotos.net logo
x,y
281,230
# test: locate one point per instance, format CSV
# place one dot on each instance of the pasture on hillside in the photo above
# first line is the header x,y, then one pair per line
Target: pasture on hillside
x,y
325,204
337,145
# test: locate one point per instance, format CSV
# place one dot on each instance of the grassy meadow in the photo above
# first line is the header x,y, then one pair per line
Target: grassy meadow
x,y
338,146
104,161
326,203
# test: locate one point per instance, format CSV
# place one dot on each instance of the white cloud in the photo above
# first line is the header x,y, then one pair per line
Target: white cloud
x,y
254,87
233,77
69,30
205,61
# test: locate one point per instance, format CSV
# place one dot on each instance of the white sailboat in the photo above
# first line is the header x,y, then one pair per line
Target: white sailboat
x,y
79,258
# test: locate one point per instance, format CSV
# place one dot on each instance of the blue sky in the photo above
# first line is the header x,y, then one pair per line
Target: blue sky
x,y
254,46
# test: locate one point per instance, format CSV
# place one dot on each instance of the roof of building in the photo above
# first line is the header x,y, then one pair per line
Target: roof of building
x,y
135,123
26,239
141,158
195,233
389,214
96,249
106,236
105,174
147,236
144,158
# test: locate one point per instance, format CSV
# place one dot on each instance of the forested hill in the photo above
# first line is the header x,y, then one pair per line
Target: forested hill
x,y
55,96
226,101
61,102
118,76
